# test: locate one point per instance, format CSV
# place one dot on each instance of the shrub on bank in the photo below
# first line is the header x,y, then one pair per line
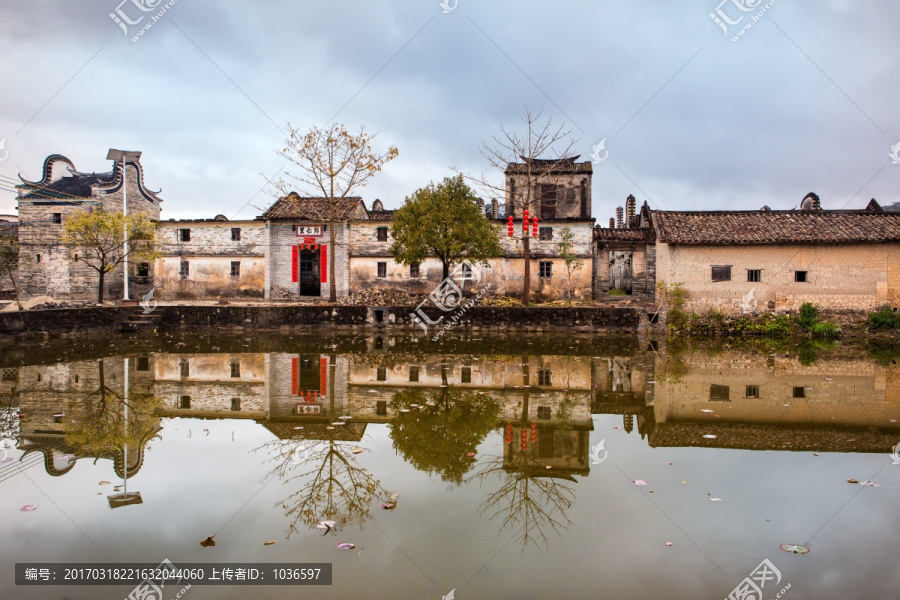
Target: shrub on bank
x,y
885,318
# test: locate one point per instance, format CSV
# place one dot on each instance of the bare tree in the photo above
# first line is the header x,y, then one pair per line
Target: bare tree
x,y
333,164
537,156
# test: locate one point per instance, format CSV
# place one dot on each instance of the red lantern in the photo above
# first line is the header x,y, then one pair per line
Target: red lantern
x,y
525,214
509,225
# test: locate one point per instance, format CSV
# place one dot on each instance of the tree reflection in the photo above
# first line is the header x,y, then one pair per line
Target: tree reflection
x,y
437,433
531,497
98,426
333,486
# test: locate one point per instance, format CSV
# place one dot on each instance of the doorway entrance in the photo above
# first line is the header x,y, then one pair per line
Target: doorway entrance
x,y
308,273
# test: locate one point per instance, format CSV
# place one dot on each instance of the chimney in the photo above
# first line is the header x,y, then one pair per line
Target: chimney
x,y
619,223
630,205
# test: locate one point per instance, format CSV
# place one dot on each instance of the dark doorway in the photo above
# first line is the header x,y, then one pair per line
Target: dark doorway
x,y
310,282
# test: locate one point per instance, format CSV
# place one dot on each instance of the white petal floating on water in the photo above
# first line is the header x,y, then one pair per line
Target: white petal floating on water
x,y
869,484
346,546
338,423
388,506
715,499
794,548
639,482
298,428
706,410
710,436
404,410
356,450
668,543
28,507
345,418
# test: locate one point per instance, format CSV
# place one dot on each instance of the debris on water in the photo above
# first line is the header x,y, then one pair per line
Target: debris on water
x,y
709,436
715,499
269,542
338,423
329,427
404,410
670,464
470,455
29,507
668,543
346,546
345,418
549,467
388,506
684,482
208,541
298,428
639,482
815,454
104,483
794,548
393,497
869,484
356,450
326,525
852,481
705,410
616,427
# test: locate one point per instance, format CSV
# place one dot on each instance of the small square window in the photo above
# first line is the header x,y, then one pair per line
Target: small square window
x,y
545,377
235,268
185,369
800,392
545,269
39,377
37,258
382,269
143,269
543,412
466,375
236,369
800,276
235,404
754,275
184,402
414,270
57,217
414,374
382,233
721,273
719,393
545,233
752,391
143,363
381,407
381,374
235,234
184,269
184,235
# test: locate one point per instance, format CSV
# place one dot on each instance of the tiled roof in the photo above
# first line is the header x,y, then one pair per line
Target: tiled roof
x,y
621,235
294,206
776,227
562,165
381,215
75,186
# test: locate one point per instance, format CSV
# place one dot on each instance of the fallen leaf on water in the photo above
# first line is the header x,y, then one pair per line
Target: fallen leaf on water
x,y
684,482
346,546
356,450
616,427
710,436
549,467
670,464
269,542
706,410
852,440
471,455
794,548
208,541
388,506
104,483
325,525
852,481
298,428
815,454
29,507
329,427
870,484
639,482
715,499
338,423
668,543
650,491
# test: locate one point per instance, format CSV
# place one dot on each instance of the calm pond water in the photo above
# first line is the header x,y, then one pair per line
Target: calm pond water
x,y
526,466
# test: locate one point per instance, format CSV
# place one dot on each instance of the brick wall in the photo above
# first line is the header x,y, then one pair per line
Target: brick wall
x,y
281,238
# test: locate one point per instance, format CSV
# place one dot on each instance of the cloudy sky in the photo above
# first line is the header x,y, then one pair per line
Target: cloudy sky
x,y
805,100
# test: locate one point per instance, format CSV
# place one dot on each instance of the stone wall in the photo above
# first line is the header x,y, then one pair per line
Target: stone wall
x,y
857,277
281,237
210,254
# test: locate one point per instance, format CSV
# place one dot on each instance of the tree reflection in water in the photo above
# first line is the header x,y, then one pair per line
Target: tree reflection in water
x,y
437,434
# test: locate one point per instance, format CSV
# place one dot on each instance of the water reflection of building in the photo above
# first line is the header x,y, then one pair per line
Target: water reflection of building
x,y
215,385
755,401
55,400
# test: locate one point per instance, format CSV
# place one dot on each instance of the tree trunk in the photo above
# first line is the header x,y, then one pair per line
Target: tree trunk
x,y
526,285
102,273
446,265
332,235
15,290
